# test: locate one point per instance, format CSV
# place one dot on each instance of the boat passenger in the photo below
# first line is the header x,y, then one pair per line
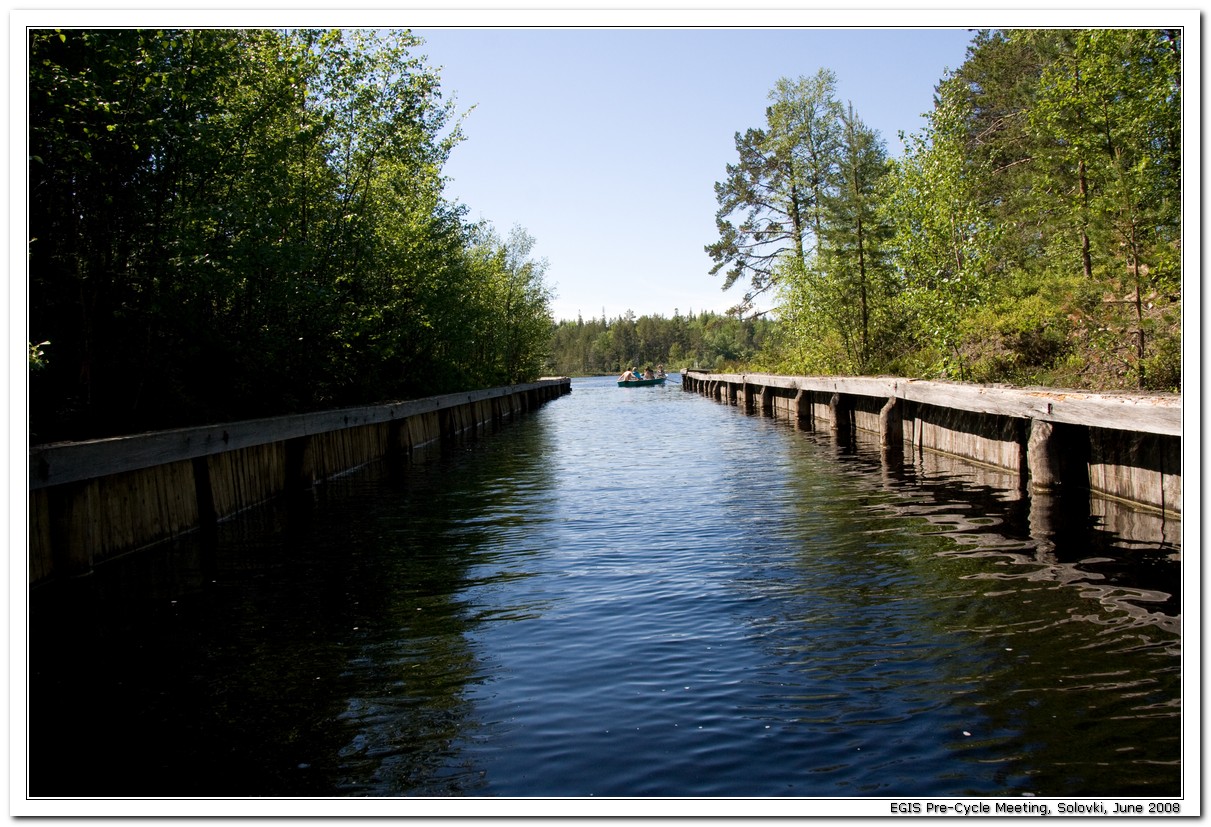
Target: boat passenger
x,y
628,376
648,373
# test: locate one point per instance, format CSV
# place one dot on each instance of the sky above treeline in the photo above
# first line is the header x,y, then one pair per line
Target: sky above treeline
x,y
605,143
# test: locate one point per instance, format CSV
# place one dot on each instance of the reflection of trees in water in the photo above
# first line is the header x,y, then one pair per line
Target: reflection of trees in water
x,y
318,647
1072,539
407,711
405,675
1058,638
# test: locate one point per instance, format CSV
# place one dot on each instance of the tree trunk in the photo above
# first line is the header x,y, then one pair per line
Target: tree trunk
x,y
796,219
1086,258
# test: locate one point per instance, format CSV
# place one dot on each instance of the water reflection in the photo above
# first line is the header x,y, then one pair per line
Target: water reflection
x,y
1008,645
413,664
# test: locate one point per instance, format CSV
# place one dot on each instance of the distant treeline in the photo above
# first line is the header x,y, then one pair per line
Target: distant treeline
x,y
706,340
236,223
1031,233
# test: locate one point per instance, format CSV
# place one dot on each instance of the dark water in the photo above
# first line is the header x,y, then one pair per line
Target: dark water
x,y
631,592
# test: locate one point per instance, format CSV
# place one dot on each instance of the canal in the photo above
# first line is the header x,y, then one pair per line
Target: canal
x,y
628,592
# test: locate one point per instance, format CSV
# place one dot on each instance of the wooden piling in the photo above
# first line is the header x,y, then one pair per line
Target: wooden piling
x,y
804,410
1043,452
841,409
891,424
1120,446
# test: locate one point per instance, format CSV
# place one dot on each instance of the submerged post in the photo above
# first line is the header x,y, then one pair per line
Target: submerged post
x,y
841,407
804,412
891,428
1043,457
1113,445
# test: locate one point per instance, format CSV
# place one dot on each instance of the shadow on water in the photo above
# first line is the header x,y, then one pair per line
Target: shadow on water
x,y
311,647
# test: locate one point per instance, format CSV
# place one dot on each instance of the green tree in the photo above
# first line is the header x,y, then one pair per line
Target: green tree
x,y
523,298
944,235
778,185
132,142
845,295
1107,120
855,240
233,223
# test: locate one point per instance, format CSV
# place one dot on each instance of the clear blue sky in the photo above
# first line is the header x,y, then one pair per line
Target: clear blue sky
x,y
605,144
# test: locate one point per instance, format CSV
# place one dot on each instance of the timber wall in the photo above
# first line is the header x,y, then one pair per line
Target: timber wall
x,y
1120,446
92,501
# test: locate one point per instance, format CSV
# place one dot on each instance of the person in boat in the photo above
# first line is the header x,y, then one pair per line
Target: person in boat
x,y
630,375
648,373
660,374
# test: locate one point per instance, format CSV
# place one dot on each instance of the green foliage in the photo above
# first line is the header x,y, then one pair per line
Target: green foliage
x,y
510,323
778,186
37,356
235,223
1031,233
707,340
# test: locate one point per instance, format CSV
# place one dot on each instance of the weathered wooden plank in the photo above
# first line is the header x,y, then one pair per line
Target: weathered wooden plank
x,y
1147,413
244,478
41,552
1126,445
77,523
1141,468
81,524
1144,413
59,463
975,437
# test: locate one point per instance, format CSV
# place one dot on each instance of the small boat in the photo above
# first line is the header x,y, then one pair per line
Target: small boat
x,y
641,383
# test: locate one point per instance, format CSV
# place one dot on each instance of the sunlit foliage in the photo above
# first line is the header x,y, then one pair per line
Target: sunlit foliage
x,y
1030,233
236,223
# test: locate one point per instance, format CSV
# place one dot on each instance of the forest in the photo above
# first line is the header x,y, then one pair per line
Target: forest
x,y
227,224
1030,234
706,340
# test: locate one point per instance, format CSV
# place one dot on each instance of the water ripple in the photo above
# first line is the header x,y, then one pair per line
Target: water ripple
x,y
651,594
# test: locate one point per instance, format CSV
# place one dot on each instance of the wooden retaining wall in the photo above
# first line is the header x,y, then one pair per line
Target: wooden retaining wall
x,y
92,501
1121,446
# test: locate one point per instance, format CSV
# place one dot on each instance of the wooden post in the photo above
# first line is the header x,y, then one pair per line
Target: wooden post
x,y
300,459
841,407
207,518
891,424
72,527
805,410
767,400
396,455
1043,457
